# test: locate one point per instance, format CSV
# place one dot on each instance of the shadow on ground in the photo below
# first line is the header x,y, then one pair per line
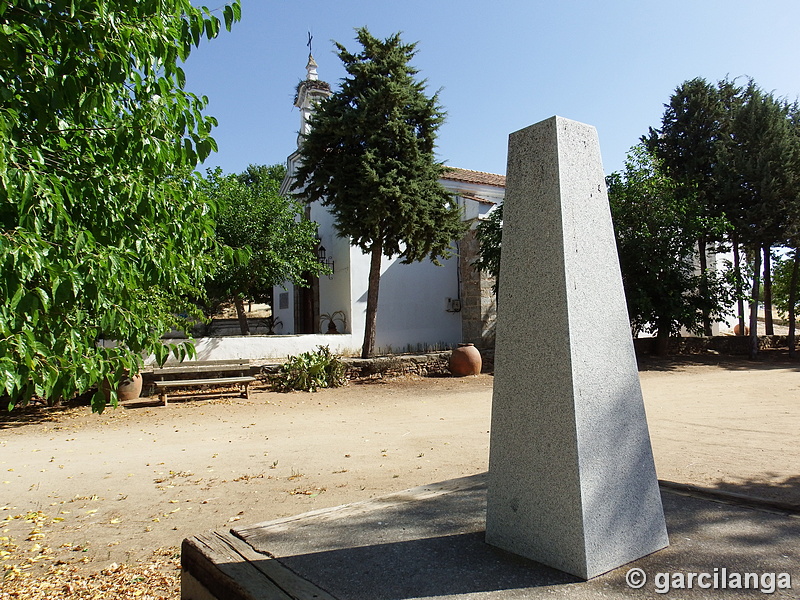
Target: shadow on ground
x,y
31,414
782,492
39,412
435,547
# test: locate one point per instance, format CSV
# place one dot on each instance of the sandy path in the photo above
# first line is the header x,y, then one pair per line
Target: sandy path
x,y
735,428
144,477
135,479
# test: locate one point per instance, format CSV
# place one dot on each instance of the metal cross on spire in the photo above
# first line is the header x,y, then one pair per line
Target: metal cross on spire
x,y
311,67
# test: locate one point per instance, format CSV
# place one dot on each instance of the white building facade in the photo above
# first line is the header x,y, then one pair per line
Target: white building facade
x,y
421,306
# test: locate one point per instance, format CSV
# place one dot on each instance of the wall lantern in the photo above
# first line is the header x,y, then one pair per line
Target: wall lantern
x,y
324,259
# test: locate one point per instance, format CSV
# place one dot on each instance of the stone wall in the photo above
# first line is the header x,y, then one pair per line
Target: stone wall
x,y
396,366
723,344
478,305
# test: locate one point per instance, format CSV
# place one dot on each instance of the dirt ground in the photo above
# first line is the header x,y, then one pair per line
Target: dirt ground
x,y
81,493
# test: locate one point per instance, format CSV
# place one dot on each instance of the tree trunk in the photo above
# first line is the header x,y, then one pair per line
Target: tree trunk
x,y
241,315
662,338
372,300
754,303
793,301
701,249
737,267
769,329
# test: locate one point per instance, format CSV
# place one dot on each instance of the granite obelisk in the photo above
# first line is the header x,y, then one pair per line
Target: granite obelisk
x,y
572,482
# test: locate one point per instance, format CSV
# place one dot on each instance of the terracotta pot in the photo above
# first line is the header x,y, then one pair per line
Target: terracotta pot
x,y
129,388
736,330
465,360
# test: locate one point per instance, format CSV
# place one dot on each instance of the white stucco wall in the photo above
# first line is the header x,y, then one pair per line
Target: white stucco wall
x,y
412,303
719,261
265,347
286,315
412,309
334,292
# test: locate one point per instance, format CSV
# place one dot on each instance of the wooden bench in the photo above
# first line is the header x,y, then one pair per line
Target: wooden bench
x,y
242,382
170,377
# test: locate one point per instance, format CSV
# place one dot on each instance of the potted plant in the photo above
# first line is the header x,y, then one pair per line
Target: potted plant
x,y
271,323
331,318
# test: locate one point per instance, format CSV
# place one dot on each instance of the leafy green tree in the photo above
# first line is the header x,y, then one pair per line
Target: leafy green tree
x,y
789,284
657,229
101,228
369,157
695,122
783,275
786,279
760,174
276,243
490,237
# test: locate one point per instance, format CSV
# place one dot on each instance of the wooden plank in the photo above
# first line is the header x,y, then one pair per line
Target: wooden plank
x,y
229,569
209,381
242,382
206,362
201,368
287,580
224,572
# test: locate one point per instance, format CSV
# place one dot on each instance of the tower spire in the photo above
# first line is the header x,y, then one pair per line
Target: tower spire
x,y
309,92
311,67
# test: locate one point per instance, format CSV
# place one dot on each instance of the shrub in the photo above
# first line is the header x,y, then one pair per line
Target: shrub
x,y
309,371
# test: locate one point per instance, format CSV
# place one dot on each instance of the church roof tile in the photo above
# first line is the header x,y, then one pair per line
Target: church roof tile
x,y
477,177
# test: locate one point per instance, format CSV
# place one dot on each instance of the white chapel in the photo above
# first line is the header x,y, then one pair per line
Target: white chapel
x,y
421,306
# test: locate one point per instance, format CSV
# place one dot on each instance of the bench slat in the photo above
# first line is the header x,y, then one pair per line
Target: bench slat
x,y
209,381
199,368
209,363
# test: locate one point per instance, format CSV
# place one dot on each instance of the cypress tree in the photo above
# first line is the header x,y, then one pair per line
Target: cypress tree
x,y
369,158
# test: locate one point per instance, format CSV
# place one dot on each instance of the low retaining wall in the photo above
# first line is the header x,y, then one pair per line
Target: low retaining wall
x,y
264,347
262,350
268,351
387,366
395,366
724,344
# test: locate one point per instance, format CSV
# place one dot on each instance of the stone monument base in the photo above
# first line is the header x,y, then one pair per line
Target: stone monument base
x,y
428,542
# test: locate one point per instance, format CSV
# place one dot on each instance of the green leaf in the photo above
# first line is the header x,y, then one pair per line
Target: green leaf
x,y
228,16
16,298
212,27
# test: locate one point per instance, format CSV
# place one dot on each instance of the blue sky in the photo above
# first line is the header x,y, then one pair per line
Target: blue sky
x,y
500,66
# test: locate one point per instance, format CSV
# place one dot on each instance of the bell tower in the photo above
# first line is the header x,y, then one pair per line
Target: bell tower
x,y
305,304
310,92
